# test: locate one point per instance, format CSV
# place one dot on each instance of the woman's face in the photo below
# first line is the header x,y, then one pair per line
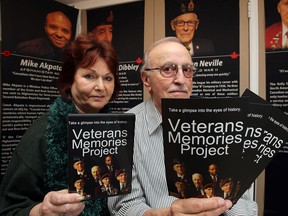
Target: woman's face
x,y
93,87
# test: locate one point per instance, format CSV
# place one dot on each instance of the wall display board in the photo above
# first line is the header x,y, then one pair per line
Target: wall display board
x,y
127,36
30,64
276,45
213,28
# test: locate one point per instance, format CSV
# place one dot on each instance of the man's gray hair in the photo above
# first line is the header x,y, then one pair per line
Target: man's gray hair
x,y
146,60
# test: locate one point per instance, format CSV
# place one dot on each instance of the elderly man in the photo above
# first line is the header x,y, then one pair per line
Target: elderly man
x,y
167,72
101,24
185,23
276,35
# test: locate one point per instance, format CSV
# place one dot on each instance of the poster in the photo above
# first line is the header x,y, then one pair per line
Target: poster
x,y
127,36
29,65
276,25
215,38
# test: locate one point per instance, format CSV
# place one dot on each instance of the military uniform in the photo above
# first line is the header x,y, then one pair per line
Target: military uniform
x,y
273,37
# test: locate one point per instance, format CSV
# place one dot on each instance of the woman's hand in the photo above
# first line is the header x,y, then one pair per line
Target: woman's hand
x,y
59,203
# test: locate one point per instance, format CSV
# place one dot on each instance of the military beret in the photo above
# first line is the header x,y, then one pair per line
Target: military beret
x,y
76,159
105,175
224,181
209,185
118,172
79,179
177,161
103,16
183,7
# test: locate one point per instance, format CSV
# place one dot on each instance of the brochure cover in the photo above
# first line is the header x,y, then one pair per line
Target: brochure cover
x,y
265,134
100,154
203,146
219,146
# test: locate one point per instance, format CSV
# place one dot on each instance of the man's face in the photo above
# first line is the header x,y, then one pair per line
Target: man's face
x,y
79,184
212,169
227,187
122,178
180,186
95,171
209,191
79,166
103,32
106,181
179,168
185,26
108,161
283,10
58,29
197,180
160,87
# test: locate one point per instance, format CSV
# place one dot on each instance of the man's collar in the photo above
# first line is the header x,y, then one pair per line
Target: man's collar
x,y
153,116
284,30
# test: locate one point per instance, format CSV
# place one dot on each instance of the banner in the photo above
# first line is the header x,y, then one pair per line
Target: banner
x,y
210,31
276,23
123,26
30,64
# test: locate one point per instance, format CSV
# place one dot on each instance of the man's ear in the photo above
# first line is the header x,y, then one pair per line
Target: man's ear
x,y
172,25
196,27
145,78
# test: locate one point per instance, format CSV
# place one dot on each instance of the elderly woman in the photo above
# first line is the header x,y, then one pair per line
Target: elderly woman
x,y
36,180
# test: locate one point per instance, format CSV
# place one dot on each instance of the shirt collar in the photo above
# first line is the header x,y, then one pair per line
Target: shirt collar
x,y
153,116
284,30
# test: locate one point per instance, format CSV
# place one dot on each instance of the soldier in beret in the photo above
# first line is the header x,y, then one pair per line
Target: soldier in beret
x,y
79,185
80,171
107,189
182,190
185,23
226,186
123,186
209,190
102,24
79,166
276,35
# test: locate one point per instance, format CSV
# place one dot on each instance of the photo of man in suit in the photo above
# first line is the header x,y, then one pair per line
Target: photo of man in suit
x,y
196,189
276,35
58,29
213,176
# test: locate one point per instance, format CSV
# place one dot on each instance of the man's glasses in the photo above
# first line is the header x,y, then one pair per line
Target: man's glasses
x,y
170,70
191,23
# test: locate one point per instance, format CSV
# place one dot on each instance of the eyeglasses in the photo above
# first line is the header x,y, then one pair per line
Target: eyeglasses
x,y
191,23
170,70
